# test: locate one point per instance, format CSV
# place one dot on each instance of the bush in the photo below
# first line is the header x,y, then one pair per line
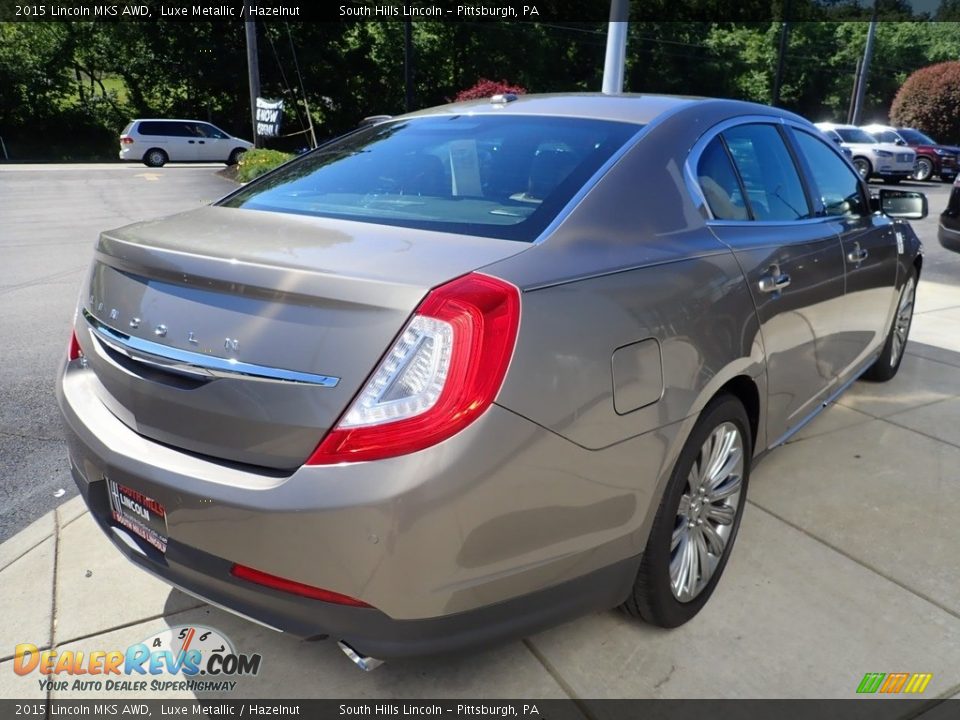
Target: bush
x,y
255,163
488,88
930,101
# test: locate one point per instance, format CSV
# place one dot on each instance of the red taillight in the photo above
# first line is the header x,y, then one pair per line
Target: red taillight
x,y
292,586
74,351
126,140
452,355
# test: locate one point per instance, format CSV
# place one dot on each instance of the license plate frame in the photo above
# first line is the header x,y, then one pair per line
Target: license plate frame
x,y
138,513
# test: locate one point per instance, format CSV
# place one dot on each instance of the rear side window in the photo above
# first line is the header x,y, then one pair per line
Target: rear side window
x,y
836,182
718,181
769,175
498,176
169,128
887,136
211,132
126,130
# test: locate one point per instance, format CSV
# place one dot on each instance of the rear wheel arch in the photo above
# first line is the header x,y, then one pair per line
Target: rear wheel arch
x,y
733,382
745,389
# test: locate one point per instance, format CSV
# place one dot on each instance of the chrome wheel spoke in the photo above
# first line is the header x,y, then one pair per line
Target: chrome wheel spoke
x,y
693,478
725,490
721,514
721,442
725,472
706,562
679,533
682,568
684,509
714,541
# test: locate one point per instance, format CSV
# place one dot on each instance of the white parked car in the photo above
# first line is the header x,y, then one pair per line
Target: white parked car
x,y
157,142
892,163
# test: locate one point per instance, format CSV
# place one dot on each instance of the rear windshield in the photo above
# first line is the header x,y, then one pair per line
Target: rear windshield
x,y
502,176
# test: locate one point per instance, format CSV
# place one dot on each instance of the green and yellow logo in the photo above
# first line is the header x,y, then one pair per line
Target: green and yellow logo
x,y
893,683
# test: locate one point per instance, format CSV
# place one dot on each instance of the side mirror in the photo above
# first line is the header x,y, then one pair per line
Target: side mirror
x,y
905,204
901,141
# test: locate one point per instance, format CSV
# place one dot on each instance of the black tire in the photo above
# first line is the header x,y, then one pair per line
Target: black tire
x,y
653,597
155,157
863,166
924,169
887,365
235,156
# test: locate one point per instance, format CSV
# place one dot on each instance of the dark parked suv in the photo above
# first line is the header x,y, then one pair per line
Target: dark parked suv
x,y
932,157
949,232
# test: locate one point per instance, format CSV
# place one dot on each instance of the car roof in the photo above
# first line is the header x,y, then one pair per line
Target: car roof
x,y
878,126
638,108
837,126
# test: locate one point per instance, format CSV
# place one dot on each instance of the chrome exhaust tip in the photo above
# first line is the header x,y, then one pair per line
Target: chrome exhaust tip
x,y
362,661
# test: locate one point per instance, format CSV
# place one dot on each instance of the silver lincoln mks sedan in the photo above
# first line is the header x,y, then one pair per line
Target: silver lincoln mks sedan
x,y
466,373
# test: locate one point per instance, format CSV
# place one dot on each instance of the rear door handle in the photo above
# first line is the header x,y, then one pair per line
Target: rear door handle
x,y
858,254
190,142
774,280
201,141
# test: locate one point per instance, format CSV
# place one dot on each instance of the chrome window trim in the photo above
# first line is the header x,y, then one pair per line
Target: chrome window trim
x,y
194,364
693,160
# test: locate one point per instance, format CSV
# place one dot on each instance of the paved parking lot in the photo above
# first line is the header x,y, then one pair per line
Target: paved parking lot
x,y
846,561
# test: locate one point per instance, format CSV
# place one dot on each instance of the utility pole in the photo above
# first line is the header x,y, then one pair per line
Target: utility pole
x,y
407,64
781,51
865,68
853,94
616,57
253,69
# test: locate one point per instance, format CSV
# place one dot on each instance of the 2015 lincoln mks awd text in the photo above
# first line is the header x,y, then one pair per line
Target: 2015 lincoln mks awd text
x,y
469,372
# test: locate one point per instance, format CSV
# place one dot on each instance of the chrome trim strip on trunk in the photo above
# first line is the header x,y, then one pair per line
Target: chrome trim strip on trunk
x,y
195,364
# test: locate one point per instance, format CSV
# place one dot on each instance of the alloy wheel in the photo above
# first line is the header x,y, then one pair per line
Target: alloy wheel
x,y
707,511
862,166
924,169
901,325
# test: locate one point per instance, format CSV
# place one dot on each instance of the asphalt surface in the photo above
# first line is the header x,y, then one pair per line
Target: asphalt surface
x,y
51,217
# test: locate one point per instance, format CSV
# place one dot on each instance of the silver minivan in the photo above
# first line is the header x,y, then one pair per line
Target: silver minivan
x,y
157,142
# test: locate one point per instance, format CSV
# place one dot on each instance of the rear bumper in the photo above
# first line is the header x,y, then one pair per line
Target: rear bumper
x,y
498,532
370,631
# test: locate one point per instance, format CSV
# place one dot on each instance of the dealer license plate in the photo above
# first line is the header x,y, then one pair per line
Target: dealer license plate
x,y
139,514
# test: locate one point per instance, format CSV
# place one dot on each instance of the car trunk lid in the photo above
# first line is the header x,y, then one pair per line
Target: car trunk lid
x,y
243,335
